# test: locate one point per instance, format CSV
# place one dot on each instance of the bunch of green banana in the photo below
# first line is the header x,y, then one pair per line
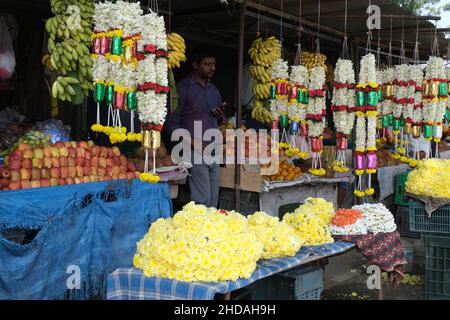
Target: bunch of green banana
x,y
177,50
69,44
261,113
62,88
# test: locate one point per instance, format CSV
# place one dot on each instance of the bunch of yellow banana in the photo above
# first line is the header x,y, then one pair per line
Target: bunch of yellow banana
x,y
309,60
62,88
263,54
177,50
69,42
261,113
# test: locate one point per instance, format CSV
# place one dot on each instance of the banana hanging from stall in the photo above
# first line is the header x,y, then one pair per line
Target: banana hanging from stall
x,y
263,53
69,45
177,50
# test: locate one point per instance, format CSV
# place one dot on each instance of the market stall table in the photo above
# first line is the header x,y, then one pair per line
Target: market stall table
x,y
132,284
275,194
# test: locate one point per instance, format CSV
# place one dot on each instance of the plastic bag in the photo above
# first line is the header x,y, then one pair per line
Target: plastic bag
x,y
54,128
7,57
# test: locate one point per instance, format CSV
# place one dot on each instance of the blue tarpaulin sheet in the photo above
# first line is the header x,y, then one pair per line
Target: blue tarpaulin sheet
x,y
85,230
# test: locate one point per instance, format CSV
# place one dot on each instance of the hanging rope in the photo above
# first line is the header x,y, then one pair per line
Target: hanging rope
x,y
299,46
345,54
258,33
416,55
316,58
369,33
378,58
435,48
390,47
281,23
170,16
402,45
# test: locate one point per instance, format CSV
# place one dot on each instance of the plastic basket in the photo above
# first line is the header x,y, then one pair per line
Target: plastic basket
x,y
286,208
400,189
308,282
437,267
439,222
402,221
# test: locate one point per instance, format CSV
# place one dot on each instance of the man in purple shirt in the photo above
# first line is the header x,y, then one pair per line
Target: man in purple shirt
x,y
199,105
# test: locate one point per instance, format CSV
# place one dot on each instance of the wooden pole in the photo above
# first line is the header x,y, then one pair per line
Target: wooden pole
x,y
237,166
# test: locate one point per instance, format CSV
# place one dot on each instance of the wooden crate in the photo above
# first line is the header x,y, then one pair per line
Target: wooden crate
x,y
251,179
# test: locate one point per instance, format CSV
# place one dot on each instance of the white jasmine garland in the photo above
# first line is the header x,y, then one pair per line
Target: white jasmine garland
x,y
344,73
435,68
358,228
416,75
299,75
161,72
376,217
161,37
280,69
400,92
102,16
315,128
371,132
360,142
100,69
274,109
317,78
148,30
367,73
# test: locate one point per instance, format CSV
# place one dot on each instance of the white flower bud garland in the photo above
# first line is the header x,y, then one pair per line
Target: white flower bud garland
x,y
435,97
279,105
366,106
316,117
343,104
297,105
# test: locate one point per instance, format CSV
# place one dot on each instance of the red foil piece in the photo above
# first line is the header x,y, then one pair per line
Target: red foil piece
x,y
105,45
342,143
119,100
316,144
304,129
293,93
274,124
96,45
279,89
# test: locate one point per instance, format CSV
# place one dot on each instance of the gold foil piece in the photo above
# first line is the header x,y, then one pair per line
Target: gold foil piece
x,y
448,88
128,55
147,140
407,128
156,139
379,124
390,90
416,131
426,88
435,88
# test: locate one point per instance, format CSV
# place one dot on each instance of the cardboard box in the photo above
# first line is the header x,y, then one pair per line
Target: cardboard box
x,y
251,179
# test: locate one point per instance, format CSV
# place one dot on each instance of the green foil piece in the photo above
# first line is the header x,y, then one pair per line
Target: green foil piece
x,y
391,119
385,121
273,91
402,121
427,131
131,101
99,93
443,89
116,46
447,114
284,121
360,99
396,124
372,98
380,94
110,94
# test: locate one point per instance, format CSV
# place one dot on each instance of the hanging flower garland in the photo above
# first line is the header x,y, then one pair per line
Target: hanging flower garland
x,y
416,75
435,96
367,102
298,101
115,60
387,104
343,103
447,111
153,87
279,105
316,117
400,101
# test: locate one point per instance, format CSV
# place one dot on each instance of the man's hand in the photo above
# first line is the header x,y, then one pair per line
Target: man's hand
x,y
219,111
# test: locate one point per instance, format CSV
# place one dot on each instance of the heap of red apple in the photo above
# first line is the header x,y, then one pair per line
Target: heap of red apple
x,y
63,163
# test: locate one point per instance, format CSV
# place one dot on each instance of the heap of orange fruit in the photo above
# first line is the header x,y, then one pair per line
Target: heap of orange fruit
x,y
286,172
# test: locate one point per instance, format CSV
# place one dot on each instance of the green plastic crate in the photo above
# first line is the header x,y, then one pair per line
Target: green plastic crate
x,y
439,222
437,266
287,208
400,189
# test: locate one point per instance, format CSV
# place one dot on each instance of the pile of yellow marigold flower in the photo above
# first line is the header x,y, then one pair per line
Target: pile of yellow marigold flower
x,y
279,239
431,178
311,221
199,244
